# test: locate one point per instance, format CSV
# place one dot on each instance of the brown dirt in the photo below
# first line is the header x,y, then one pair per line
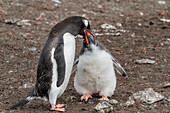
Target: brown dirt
x,y
141,41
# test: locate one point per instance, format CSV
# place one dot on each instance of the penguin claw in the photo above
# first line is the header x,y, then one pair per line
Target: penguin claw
x,y
58,107
86,97
104,98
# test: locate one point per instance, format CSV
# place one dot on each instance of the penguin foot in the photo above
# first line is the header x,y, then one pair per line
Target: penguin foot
x,y
58,107
86,97
104,98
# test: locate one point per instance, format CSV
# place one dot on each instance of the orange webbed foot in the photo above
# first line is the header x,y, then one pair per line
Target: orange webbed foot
x,y
58,107
104,98
86,97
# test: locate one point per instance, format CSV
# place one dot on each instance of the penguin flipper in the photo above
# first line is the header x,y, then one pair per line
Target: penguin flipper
x,y
74,66
59,58
118,67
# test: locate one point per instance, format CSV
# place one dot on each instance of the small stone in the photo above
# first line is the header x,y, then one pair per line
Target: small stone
x,y
33,49
166,85
90,101
144,77
164,101
113,101
11,21
148,95
167,42
130,102
144,61
151,23
162,2
165,20
84,109
25,63
28,85
103,107
119,24
24,23
107,26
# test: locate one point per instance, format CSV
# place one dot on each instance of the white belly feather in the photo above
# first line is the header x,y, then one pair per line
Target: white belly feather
x,y
69,54
95,73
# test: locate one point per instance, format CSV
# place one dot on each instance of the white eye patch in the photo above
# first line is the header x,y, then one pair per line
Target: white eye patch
x,y
85,22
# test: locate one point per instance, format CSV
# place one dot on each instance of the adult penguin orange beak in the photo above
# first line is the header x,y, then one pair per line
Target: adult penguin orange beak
x,y
87,31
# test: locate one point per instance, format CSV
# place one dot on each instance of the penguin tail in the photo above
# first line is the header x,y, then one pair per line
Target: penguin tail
x,y
118,67
24,101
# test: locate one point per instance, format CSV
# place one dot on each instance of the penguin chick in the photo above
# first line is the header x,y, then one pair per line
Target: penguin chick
x,y
56,61
96,70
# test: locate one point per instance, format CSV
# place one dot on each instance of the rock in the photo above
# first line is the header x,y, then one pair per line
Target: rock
x,y
28,85
103,107
151,23
25,63
11,21
106,34
166,85
165,20
164,101
148,96
33,49
107,26
119,24
130,101
113,101
167,42
162,2
144,77
144,61
57,2
24,23
84,109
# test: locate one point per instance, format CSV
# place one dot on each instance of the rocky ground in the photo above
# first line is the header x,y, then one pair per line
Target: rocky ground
x,y
131,30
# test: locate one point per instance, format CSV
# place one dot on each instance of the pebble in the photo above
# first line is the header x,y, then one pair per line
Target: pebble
x,y
162,2
28,85
107,26
11,21
84,109
144,61
166,85
167,42
148,97
164,101
25,63
144,77
113,101
165,20
33,49
103,107
24,23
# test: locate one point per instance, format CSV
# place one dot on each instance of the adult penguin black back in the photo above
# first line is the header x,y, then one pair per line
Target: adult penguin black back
x,y
56,61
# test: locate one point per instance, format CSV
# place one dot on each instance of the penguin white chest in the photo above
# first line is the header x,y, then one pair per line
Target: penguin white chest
x,y
69,54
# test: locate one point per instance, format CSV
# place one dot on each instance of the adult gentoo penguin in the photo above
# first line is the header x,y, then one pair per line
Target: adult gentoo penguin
x,y
96,70
56,61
